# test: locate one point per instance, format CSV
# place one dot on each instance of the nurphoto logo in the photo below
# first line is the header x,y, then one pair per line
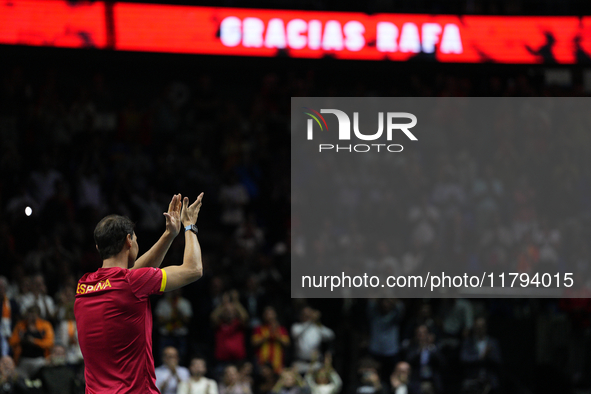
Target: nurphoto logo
x,y
344,132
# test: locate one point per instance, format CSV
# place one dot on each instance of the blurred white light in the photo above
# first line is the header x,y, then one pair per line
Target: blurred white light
x,y
28,211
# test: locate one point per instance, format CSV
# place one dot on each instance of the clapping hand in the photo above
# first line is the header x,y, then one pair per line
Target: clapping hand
x,y
189,213
173,216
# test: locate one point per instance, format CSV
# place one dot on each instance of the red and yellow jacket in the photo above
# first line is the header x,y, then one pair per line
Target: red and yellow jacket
x,y
270,345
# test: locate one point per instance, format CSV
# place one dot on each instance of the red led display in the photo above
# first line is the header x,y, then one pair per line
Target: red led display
x,y
302,34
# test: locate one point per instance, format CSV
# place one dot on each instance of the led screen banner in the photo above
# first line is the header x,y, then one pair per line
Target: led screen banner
x,y
308,34
53,23
299,34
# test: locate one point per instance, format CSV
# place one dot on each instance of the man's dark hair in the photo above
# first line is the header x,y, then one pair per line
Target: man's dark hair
x,y
110,235
34,309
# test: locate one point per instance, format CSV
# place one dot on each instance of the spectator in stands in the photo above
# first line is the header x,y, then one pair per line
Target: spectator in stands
x,y
17,275
290,382
198,383
268,275
496,242
56,376
170,374
82,112
481,359
326,380
400,380
44,180
367,380
548,239
217,290
9,313
458,318
253,298
425,358
424,219
233,197
524,196
31,342
59,208
229,320
413,258
67,336
25,284
387,263
37,258
231,383
38,296
266,379
90,190
423,316
385,316
10,380
448,193
249,236
308,336
270,340
173,313
149,204
487,193
245,373
65,297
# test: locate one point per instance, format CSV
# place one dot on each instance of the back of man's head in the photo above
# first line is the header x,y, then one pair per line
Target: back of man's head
x,y
110,235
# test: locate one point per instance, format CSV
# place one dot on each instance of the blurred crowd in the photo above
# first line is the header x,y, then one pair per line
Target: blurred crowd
x,y
76,146
510,193
255,353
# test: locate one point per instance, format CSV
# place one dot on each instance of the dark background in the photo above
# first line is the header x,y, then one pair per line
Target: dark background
x,y
234,125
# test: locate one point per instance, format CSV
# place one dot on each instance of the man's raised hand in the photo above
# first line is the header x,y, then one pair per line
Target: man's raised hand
x,y
173,216
190,212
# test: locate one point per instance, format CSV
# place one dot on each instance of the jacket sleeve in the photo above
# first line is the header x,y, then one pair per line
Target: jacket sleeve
x,y
15,339
336,380
46,343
